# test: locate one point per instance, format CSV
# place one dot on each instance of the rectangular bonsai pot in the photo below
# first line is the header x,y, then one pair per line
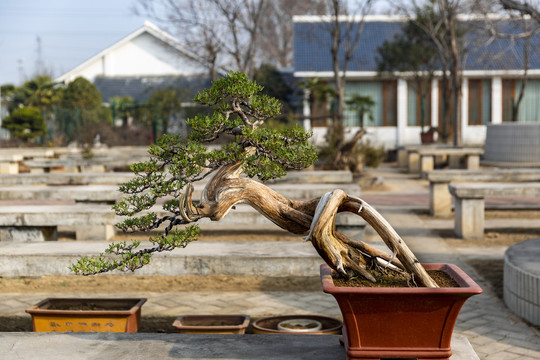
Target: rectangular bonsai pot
x,y
212,324
400,322
87,315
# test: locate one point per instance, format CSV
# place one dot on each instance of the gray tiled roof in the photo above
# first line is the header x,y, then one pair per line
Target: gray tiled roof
x,y
140,88
312,47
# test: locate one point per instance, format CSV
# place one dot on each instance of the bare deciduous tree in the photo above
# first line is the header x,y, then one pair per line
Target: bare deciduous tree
x,y
224,33
343,26
234,35
518,21
440,22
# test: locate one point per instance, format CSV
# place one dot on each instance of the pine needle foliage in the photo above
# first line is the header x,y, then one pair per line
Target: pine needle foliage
x,y
239,111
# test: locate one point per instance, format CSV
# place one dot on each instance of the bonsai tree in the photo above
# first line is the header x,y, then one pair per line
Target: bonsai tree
x,y
175,164
25,123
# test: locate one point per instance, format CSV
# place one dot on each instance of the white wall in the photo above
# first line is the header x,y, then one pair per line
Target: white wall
x,y
388,136
402,134
143,55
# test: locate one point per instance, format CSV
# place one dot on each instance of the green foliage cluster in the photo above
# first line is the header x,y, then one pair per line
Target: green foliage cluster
x,y
70,111
371,155
25,123
410,50
30,105
124,256
273,85
81,94
363,105
240,109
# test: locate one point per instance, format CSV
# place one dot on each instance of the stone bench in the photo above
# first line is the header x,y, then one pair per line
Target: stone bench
x,y
9,163
316,177
440,199
469,198
75,165
249,256
23,223
10,158
423,159
116,178
66,178
28,153
404,151
109,194
103,194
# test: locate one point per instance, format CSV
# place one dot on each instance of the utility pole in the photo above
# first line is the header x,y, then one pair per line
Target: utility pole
x,y
40,68
20,63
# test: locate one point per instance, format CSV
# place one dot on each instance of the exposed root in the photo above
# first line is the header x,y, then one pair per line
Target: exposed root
x,y
322,234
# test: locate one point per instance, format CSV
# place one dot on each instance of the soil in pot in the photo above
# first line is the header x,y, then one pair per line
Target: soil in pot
x,y
393,279
87,305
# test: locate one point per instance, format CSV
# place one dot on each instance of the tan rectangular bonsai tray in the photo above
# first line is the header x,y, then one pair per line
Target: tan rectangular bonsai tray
x,y
95,315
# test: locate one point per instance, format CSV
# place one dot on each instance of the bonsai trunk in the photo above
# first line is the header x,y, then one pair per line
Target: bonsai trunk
x,y
344,157
314,218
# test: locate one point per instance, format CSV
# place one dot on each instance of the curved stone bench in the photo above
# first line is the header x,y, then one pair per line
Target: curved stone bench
x,y
522,280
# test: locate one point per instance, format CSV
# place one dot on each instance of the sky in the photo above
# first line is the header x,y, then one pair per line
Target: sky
x,y
71,32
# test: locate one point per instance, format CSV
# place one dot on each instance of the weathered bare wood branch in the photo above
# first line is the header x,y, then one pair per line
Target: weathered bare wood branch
x,y
314,218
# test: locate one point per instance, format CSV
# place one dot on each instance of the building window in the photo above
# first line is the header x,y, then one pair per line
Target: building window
x,y
509,94
383,93
415,106
479,101
389,103
529,109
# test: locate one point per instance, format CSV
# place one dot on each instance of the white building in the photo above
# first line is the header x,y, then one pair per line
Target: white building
x,y
148,51
491,79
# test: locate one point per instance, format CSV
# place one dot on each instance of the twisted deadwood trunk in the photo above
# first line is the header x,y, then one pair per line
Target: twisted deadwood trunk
x,y
315,217
345,154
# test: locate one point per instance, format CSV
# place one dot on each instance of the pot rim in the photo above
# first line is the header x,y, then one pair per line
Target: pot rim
x,y
467,286
338,327
243,323
37,310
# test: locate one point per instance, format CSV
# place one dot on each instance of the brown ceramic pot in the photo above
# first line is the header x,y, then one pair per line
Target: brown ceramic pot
x,y
269,325
427,137
400,322
212,324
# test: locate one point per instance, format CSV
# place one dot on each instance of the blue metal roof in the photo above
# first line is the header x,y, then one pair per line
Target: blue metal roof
x,y
312,47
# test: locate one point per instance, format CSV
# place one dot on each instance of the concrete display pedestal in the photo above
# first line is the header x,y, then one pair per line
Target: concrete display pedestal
x,y
113,346
522,280
512,144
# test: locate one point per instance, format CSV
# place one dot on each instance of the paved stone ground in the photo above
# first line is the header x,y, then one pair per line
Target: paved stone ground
x,y
494,332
